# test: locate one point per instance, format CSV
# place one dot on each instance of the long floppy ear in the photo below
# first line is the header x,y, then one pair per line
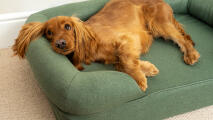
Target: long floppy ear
x,y
85,37
28,33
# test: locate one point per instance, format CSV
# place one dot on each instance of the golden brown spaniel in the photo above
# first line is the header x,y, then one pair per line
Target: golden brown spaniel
x,y
118,34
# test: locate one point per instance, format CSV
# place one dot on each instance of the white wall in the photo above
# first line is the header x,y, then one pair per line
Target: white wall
x,y
13,14
8,6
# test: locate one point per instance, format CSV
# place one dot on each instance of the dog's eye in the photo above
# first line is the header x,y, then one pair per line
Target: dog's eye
x,y
49,33
67,27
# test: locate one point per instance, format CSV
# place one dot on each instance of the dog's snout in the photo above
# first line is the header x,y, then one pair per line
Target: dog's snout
x,y
61,43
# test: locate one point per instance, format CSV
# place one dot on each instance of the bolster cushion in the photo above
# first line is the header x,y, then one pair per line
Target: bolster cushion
x,y
178,6
202,9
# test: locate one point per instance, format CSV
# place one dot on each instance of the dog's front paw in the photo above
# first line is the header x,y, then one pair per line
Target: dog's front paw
x,y
149,69
79,67
143,87
152,71
192,57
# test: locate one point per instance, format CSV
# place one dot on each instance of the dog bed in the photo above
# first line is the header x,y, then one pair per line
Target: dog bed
x,y
101,93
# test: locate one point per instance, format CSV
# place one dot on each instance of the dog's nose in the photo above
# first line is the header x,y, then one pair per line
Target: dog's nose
x,y
60,43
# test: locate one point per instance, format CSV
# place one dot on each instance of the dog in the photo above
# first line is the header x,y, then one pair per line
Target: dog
x,y
118,34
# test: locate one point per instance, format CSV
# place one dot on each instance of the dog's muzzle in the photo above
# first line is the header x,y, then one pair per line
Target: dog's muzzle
x,y
61,44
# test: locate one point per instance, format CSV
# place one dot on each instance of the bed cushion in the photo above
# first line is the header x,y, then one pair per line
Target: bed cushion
x,y
100,92
178,6
202,9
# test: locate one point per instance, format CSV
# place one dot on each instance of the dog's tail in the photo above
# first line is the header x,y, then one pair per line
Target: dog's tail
x,y
28,33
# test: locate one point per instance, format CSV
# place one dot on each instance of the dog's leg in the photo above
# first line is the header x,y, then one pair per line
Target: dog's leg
x,y
148,68
169,31
191,55
161,23
128,62
182,31
132,67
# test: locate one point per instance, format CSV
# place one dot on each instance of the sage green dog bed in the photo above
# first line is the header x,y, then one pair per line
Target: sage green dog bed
x,y
101,93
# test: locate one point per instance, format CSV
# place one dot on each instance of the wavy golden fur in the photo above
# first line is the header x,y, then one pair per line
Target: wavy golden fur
x,y
28,32
117,35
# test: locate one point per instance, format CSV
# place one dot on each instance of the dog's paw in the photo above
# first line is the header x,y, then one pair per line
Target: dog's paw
x,y
192,57
79,67
144,87
149,69
143,84
153,71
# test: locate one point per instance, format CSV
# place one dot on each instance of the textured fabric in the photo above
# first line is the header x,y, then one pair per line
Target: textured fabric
x,y
205,113
82,10
19,88
155,106
178,6
202,9
20,96
99,92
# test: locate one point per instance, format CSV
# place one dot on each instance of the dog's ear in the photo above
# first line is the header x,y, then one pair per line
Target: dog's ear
x,y
29,32
82,31
84,36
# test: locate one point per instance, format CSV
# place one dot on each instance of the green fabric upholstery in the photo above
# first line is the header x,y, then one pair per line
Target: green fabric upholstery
x,y
178,6
202,9
81,9
155,106
101,93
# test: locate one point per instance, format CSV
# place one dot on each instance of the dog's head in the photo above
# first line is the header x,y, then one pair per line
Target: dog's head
x,y
66,34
